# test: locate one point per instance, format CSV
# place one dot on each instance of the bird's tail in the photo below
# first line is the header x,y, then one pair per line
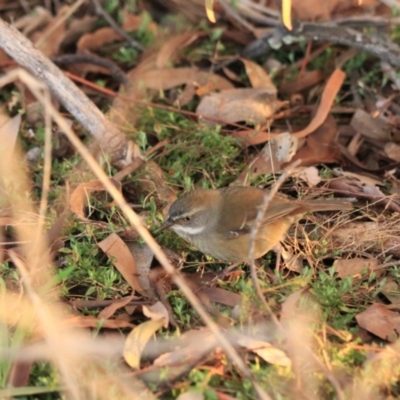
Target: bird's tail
x,y
329,205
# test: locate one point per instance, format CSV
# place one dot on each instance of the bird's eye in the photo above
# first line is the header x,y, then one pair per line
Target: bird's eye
x,y
187,219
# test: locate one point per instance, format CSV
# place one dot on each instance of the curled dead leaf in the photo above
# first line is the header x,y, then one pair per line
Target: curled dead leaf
x,y
137,340
79,197
270,159
252,105
122,258
380,321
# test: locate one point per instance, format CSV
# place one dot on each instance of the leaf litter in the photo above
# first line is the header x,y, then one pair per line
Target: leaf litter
x,y
355,247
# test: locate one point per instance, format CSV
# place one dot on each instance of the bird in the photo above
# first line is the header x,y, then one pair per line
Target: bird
x,y
218,222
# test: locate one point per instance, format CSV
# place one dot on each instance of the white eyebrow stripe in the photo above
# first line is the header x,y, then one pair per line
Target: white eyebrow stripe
x,y
187,214
188,230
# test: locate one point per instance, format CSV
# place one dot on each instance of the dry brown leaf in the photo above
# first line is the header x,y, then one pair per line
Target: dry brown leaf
x,y
156,312
331,89
143,256
345,185
179,42
81,321
97,39
320,146
49,40
37,19
251,105
355,266
312,10
19,373
265,350
392,150
207,83
270,159
221,296
309,175
373,128
191,395
137,340
380,321
79,197
363,179
77,28
258,76
304,81
110,310
391,290
9,129
253,137
167,78
122,259
189,349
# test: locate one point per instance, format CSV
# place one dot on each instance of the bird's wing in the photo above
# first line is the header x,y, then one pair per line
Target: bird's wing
x,y
240,221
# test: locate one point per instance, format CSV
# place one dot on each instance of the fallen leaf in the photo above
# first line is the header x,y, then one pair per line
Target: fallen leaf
x,y
309,175
392,150
355,266
320,146
79,197
143,256
391,290
258,76
364,179
252,137
156,312
304,81
102,36
110,310
19,373
380,321
122,259
49,40
251,105
207,83
265,350
179,42
270,159
221,296
167,78
8,136
191,395
81,321
188,349
137,340
37,19
331,89
368,126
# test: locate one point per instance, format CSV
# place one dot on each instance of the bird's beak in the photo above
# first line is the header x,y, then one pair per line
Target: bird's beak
x,y
167,224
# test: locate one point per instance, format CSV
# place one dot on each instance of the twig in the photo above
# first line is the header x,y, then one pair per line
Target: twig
x,y
115,71
112,140
269,195
103,13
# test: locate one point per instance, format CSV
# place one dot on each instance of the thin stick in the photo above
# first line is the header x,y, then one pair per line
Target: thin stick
x,y
260,215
